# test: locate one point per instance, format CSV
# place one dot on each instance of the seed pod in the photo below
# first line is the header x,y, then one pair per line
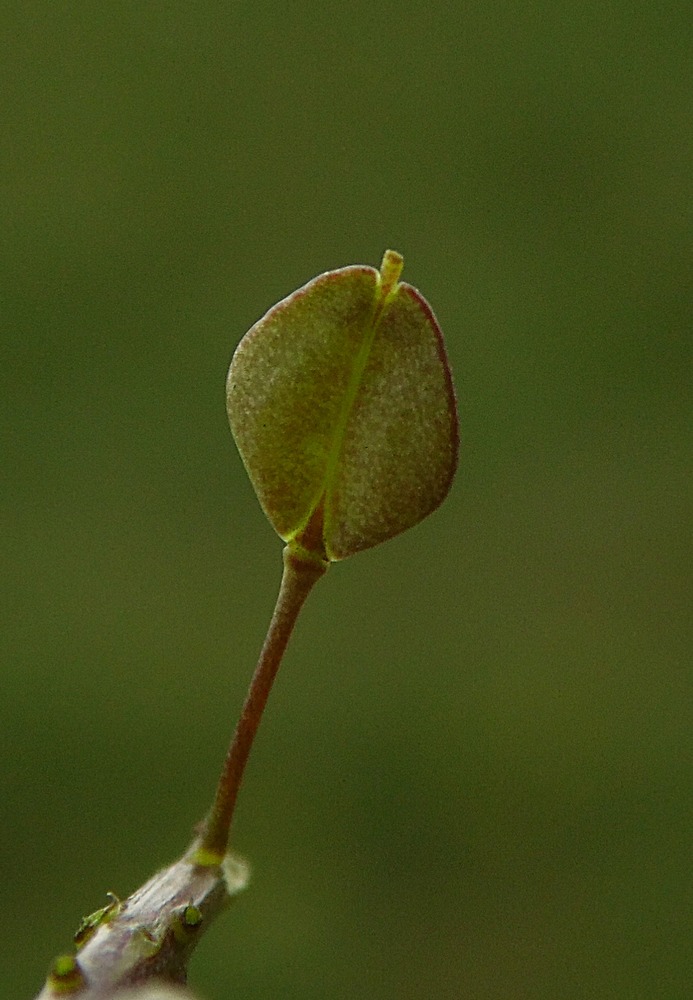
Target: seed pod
x,y
342,406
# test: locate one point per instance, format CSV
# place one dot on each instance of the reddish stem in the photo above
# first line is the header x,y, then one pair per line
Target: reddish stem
x,y
301,570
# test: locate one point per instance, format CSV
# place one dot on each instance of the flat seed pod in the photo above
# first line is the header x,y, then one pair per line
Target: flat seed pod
x,y
342,406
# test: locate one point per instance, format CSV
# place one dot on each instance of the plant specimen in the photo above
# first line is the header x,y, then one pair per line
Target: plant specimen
x,y
342,406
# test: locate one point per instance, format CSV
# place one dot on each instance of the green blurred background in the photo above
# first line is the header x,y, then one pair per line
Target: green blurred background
x,y
474,778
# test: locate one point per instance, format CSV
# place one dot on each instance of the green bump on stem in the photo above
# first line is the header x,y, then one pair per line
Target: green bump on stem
x,y
192,916
65,965
65,976
186,923
206,858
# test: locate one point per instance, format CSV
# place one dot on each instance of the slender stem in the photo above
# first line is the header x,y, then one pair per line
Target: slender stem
x,y
301,570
